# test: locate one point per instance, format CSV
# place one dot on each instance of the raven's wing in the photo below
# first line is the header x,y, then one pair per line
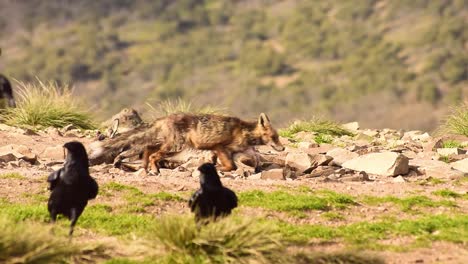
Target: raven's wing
x,y
54,178
194,200
93,188
231,198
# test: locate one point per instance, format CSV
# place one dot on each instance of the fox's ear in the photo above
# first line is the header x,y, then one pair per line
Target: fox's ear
x,y
263,120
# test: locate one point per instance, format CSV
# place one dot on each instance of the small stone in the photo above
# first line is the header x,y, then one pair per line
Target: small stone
x,y
450,151
275,174
140,173
353,126
53,131
399,179
321,172
307,145
68,127
370,132
115,170
256,176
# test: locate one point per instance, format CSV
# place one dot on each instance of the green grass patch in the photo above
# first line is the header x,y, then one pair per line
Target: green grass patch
x,y
295,203
138,200
323,138
452,144
332,216
446,193
367,234
457,121
45,105
12,175
324,128
444,158
408,203
431,181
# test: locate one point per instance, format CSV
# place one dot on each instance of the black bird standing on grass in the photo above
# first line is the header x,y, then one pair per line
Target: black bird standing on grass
x,y
71,186
212,199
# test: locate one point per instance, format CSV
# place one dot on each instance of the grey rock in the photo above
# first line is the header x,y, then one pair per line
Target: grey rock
x,y
383,164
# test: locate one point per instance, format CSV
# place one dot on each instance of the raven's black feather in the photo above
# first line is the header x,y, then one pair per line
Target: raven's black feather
x,y
71,186
212,200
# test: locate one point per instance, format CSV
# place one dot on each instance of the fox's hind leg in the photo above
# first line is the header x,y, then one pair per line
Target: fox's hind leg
x,y
148,158
157,155
225,158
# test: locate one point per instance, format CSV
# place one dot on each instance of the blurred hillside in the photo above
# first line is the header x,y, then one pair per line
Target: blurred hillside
x,y
385,63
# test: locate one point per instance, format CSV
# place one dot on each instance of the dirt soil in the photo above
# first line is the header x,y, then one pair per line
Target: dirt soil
x,y
440,252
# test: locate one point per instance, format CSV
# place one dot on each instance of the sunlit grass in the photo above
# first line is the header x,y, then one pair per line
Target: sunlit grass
x,y
323,128
457,121
47,104
35,243
179,105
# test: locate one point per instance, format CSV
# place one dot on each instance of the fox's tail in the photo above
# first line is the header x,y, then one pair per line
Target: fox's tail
x,y
135,139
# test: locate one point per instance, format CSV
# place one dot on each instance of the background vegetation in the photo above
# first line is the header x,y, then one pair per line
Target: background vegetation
x,y
385,63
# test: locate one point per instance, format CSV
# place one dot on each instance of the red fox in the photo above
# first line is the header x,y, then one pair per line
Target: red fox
x,y
167,136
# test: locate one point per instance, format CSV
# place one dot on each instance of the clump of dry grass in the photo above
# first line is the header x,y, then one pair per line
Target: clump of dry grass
x,y
47,104
457,121
168,107
230,240
34,243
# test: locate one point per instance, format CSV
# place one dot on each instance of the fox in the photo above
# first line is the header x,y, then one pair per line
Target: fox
x,y
167,136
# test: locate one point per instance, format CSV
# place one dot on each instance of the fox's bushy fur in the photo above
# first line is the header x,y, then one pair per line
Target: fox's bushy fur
x,y
224,135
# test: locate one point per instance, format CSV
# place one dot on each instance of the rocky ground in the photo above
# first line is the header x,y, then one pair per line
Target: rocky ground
x,y
377,163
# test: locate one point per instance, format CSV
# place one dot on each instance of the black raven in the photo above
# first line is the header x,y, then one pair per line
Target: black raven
x,y
71,186
212,199
6,91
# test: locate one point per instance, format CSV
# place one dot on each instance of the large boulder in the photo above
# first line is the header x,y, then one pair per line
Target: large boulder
x,y
461,165
14,152
435,168
384,164
300,161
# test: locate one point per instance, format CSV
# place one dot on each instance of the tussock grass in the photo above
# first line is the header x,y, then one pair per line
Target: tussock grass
x,y
229,240
12,175
28,242
324,129
179,105
407,203
47,104
295,203
457,121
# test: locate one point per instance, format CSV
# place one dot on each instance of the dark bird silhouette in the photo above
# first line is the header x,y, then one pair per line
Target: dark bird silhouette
x,y
6,92
71,186
212,199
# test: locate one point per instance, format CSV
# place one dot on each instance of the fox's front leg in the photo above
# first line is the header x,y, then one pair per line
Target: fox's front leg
x,y
225,158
